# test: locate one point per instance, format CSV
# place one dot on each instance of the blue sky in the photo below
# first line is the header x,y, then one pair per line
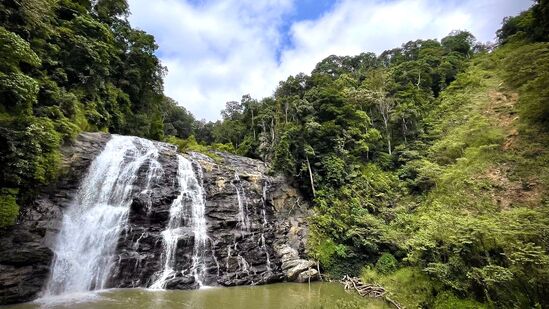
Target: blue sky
x,y
303,10
216,51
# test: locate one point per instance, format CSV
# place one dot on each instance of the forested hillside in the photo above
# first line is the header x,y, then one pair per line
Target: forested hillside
x,y
427,165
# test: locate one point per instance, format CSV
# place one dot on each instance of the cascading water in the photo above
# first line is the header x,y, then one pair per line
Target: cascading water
x,y
155,172
85,247
198,207
191,195
264,224
244,221
242,203
267,255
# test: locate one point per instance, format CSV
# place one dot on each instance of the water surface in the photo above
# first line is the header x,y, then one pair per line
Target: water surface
x,y
283,295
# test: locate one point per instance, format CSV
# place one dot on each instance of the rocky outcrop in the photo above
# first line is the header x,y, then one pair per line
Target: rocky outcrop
x,y
25,249
248,214
243,240
294,267
255,224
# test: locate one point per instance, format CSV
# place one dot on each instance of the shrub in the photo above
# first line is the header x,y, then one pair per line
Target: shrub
x,y
9,210
190,144
386,263
29,155
409,285
447,300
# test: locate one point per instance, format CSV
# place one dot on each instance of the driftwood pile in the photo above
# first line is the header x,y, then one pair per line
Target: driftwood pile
x,y
368,290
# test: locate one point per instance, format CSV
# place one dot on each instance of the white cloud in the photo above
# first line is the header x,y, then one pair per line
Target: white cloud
x,y
216,51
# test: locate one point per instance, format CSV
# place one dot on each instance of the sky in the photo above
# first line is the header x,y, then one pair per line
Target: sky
x,y
217,51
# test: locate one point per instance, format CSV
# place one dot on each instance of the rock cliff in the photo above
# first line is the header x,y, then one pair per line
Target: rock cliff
x,y
255,225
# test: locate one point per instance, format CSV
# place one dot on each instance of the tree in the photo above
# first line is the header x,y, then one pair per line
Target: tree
x,y
18,91
540,14
515,26
110,10
459,41
233,110
377,87
177,120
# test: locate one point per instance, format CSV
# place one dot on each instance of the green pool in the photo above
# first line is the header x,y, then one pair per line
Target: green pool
x,y
283,295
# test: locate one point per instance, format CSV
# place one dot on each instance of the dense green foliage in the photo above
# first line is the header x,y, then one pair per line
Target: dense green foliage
x,y
386,264
68,66
8,207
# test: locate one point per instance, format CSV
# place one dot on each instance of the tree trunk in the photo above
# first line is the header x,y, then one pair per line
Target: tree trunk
x,y
253,126
389,143
386,123
286,112
404,130
272,131
310,175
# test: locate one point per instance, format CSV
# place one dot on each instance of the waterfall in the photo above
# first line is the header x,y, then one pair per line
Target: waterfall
x,y
242,203
97,225
264,224
155,172
191,195
85,246
198,208
264,247
244,221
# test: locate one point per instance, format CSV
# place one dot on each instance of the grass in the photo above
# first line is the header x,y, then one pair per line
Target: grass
x,y
412,288
409,286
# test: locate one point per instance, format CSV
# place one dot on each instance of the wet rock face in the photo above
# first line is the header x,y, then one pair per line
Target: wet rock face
x,y
255,224
243,223
140,250
247,213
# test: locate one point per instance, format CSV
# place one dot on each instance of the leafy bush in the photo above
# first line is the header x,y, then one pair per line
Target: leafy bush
x,y
447,300
409,286
31,155
14,51
18,91
9,210
324,249
526,67
526,63
283,160
386,264
190,144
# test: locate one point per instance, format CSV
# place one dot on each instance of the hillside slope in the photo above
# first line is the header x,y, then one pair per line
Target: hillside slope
x,y
481,231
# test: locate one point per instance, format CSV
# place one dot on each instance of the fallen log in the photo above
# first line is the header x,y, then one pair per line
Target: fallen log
x,y
368,290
